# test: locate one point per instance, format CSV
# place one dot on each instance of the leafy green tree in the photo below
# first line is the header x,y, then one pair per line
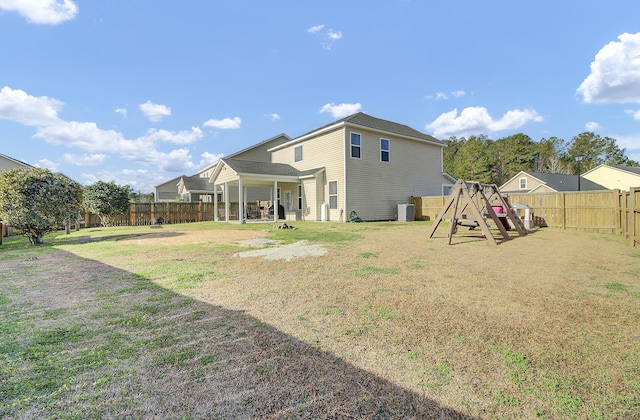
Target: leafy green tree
x,y
450,156
596,150
550,156
140,197
510,155
36,201
473,159
107,200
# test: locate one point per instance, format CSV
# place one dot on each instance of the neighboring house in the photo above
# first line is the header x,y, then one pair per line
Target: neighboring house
x,y
7,162
167,191
190,189
615,177
195,188
359,163
541,182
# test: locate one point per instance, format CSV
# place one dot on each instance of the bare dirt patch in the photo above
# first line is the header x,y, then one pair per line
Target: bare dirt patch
x,y
175,237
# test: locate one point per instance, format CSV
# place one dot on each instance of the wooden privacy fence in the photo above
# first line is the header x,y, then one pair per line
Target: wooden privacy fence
x,y
594,211
141,214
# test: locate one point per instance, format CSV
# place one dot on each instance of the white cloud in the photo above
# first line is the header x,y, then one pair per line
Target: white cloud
x,y
155,112
122,112
47,164
592,126
442,95
180,137
615,73
17,105
340,111
274,116
48,12
634,114
94,159
477,120
327,36
100,144
138,179
334,35
315,29
209,158
224,124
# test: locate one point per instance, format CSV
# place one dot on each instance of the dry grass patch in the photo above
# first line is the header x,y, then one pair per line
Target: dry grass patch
x,y
387,324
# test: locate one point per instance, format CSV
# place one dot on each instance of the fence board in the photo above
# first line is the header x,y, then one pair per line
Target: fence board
x,y
594,211
142,214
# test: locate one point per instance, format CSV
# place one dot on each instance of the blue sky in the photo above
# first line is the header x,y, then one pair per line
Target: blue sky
x,y
139,92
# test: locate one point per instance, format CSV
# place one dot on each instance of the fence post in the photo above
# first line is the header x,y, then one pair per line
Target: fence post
x,y
200,211
564,211
632,213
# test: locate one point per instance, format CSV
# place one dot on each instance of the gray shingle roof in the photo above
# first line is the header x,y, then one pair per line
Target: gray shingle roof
x,y
266,168
364,120
565,182
196,183
634,169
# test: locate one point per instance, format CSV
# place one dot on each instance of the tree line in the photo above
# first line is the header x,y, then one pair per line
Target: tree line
x,y
482,159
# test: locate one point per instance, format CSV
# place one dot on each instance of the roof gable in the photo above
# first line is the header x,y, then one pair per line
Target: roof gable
x,y
197,183
361,119
14,161
558,182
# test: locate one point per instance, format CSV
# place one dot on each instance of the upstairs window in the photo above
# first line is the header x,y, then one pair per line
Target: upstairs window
x,y
355,145
384,150
298,153
523,183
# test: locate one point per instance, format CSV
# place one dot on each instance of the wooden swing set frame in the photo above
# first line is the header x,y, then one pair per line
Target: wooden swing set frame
x,y
464,198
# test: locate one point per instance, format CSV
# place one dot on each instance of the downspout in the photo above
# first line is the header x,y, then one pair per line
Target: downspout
x,y
346,151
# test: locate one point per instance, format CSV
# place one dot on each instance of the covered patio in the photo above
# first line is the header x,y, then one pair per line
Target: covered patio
x,y
260,191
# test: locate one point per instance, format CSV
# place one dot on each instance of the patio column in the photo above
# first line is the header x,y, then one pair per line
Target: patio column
x,y
302,199
240,201
215,203
226,202
275,201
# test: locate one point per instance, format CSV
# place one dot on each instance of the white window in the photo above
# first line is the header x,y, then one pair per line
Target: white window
x,y
298,153
333,194
384,150
355,145
523,183
299,197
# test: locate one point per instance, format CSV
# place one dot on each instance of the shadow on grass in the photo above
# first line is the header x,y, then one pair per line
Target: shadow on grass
x,y
80,338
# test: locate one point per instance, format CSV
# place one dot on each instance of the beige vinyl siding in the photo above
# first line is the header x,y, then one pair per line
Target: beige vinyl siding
x,y
226,175
613,178
258,154
514,184
324,151
375,188
9,164
542,189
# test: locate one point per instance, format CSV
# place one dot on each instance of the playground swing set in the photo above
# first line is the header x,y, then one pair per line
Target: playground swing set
x,y
471,204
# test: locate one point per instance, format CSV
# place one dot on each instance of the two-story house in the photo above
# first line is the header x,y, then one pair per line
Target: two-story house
x,y
359,163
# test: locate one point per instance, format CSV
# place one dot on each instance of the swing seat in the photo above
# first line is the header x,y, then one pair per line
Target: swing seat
x,y
471,224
